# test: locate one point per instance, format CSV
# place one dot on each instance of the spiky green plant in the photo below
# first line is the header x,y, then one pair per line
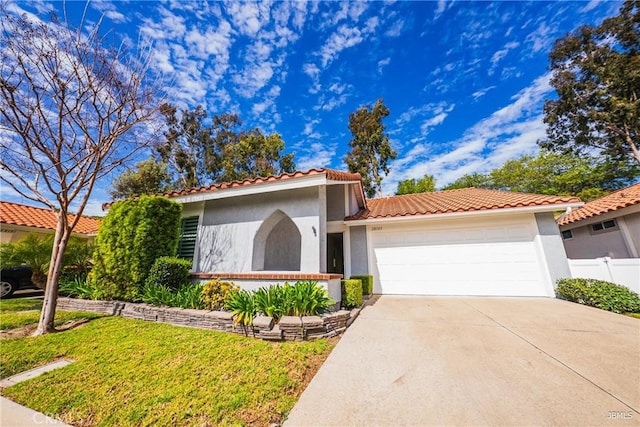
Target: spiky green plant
x,y
243,306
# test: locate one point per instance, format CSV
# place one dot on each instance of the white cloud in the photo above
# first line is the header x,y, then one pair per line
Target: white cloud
x,y
429,124
108,9
482,92
541,38
395,29
500,54
315,155
589,6
344,38
443,5
507,133
247,17
383,63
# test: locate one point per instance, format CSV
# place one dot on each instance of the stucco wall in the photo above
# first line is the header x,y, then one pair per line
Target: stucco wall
x,y
552,246
228,228
358,243
633,224
585,245
335,202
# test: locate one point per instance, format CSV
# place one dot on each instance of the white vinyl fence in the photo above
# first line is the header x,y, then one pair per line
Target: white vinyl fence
x,y
624,272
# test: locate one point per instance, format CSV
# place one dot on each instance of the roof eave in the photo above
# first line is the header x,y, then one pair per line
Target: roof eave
x,y
484,212
256,188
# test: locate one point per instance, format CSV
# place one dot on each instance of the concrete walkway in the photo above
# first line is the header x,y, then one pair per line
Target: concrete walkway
x,y
478,361
15,415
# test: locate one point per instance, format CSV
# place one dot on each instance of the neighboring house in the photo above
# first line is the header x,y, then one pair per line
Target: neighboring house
x,y
318,225
605,227
17,220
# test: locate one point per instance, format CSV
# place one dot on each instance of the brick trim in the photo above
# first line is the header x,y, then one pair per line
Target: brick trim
x,y
267,276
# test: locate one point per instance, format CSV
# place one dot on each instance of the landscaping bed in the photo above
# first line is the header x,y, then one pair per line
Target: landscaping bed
x,y
128,372
288,328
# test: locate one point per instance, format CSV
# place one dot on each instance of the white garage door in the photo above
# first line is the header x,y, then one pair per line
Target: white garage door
x,y
486,258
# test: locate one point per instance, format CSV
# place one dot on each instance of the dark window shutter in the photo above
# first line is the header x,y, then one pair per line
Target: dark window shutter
x,y
188,237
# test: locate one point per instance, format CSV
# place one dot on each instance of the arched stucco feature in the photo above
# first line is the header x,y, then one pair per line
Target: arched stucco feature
x,y
277,244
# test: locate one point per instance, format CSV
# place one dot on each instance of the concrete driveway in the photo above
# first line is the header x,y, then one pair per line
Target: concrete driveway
x,y
478,361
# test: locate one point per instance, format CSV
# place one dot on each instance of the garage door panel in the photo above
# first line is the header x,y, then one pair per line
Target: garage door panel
x,y
465,272
458,287
458,254
488,260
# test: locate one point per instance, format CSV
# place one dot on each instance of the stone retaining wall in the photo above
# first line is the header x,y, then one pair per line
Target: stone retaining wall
x,y
289,328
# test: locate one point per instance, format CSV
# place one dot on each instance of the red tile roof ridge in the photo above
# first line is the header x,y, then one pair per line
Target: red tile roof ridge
x,y
619,199
455,200
331,174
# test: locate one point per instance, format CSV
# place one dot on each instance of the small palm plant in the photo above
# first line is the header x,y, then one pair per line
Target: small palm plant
x,y
243,306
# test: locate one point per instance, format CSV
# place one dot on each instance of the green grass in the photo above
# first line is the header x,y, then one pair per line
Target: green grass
x,y
636,315
21,304
131,372
12,316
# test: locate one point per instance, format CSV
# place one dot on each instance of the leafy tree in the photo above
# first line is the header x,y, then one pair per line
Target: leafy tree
x,y
596,73
370,148
552,173
425,184
254,154
148,178
70,113
475,179
188,145
222,152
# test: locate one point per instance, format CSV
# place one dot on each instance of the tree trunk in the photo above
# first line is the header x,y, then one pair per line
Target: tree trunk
x,y
48,313
634,149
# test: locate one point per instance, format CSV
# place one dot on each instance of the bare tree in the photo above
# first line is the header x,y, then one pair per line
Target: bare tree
x,y
71,111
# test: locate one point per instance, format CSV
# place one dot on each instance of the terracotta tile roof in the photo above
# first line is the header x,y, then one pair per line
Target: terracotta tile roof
x,y
330,173
30,216
617,200
461,200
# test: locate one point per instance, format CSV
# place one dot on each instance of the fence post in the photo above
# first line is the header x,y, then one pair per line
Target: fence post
x,y
606,260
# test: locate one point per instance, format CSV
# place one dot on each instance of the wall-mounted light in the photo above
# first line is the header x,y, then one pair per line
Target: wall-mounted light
x,y
315,233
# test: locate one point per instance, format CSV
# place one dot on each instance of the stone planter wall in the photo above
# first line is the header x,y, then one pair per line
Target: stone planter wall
x,y
289,328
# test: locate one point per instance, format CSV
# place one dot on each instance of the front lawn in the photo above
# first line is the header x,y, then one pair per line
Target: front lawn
x,y
131,372
17,313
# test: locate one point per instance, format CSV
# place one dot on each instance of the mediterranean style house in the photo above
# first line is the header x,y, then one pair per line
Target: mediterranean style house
x,y
318,225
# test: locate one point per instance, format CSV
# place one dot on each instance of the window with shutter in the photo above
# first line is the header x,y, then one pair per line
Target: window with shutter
x,y
188,237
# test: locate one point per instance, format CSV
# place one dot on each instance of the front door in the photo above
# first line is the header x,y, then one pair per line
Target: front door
x,y
335,253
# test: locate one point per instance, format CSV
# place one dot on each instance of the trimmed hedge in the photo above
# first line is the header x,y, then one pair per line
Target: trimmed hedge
x,y
168,271
367,283
351,293
600,294
134,233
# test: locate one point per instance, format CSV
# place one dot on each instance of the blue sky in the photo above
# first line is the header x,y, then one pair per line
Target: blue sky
x,y
465,81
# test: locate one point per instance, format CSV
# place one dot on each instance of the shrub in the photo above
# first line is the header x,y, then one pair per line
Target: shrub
x,y
272,301
169,271
367,283
351,293
307,298
216,293
598,293
133,234
242,305
304,298
187,296
79,287
157,295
